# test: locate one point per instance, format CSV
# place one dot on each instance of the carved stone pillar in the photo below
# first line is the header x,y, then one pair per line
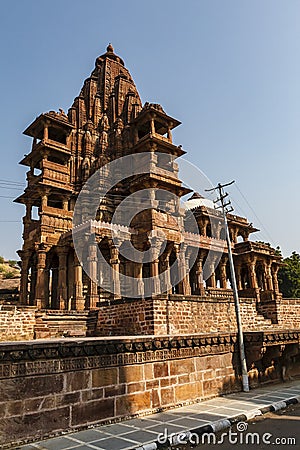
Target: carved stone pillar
x,y
44,201
252,272
78,299
199,276
24,278
184,284
269,280
46,131
212,278
92,264
155,276
156,243
41,301
115,265
138,274
274,270
65,204
238,274
152,125
186,281
166,276
62,290
223,273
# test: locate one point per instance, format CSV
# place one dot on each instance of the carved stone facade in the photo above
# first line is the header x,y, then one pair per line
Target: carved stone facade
x,y
107,121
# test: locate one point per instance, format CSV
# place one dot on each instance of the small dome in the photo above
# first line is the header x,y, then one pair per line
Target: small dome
x,y
196,200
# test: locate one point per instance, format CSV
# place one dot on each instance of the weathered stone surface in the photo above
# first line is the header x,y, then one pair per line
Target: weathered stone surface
x,y
105,377
130,374
19,388
93,411
75,381
161,370
34,425
133,403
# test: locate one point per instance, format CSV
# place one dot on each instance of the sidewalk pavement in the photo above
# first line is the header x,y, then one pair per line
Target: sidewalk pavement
x,y
207,416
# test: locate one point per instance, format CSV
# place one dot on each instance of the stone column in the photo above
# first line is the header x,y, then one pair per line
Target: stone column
x,y
92,264
186,281
46,130
138,274
252,272
78,299
156,243
65,204
269,277
212,278
264,277
62,278
115,265
274,270
199,276
183,285
41,301
238,274
223,273
24,278
44,201
152,125
165,263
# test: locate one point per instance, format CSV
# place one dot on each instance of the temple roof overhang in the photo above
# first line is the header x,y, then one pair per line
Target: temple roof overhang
x,y
36,127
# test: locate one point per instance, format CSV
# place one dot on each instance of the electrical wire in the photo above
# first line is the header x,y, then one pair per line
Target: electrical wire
x,y
267,234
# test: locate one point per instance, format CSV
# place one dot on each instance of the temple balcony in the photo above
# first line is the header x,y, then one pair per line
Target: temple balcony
x,y
52,174
47,148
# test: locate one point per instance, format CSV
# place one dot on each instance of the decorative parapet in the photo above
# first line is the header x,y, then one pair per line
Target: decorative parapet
x,y
269,338
27,358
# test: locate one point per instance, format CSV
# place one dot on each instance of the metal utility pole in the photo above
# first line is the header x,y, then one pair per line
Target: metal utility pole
x,y
226,207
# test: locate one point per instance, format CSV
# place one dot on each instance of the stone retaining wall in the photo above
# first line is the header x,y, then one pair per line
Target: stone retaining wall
x,y
50,387
16,322
177,314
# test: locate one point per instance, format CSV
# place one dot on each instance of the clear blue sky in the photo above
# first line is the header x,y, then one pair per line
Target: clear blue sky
x,y
228,70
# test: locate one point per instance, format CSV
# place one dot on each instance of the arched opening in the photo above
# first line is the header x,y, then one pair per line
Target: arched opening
x,y
35,213
245,280
54,201
208,231
104,278
55,134
260,276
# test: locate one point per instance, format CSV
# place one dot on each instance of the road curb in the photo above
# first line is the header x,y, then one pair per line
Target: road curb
x,y
219,425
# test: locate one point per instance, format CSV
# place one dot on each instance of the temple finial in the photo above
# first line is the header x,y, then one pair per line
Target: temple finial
x,y
110,48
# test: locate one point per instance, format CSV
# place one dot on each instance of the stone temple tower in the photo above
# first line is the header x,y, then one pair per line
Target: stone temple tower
x,y
108,121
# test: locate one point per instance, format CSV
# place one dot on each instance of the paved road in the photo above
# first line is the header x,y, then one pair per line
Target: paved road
x,y
279,430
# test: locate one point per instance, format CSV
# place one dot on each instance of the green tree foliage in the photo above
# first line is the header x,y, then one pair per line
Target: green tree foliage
x,y
289,276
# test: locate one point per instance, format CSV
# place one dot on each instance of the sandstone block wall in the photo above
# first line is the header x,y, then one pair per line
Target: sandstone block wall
x,y
289,313
52,387
16,323
56,323
177,315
